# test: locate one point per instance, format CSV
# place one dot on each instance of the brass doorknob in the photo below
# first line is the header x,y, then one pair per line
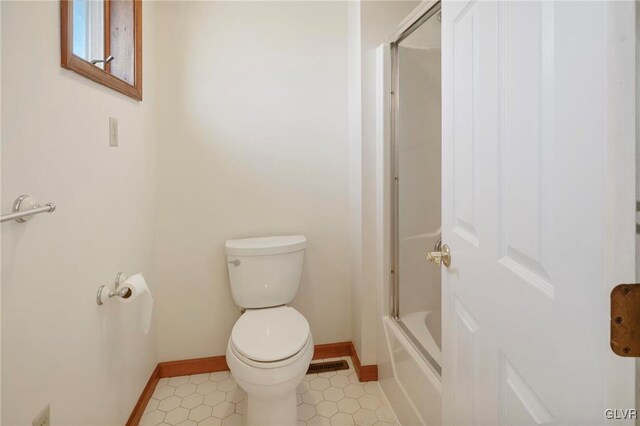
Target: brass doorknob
x,y
438,257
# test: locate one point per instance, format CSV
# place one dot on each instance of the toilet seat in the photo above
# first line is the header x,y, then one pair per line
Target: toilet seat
x,y
264,337
271,364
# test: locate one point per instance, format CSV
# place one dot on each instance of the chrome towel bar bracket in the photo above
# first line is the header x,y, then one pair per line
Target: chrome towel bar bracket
x,y
25,207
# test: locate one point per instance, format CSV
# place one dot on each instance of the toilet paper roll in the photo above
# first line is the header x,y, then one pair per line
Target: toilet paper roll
x,y
138,288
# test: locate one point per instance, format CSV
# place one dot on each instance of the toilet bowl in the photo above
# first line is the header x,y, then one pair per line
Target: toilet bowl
x,y
270,346
269,356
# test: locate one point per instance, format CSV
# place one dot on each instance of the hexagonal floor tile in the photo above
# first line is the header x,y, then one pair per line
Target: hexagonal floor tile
x,y
152,418
178,380
305,412
303,387
342,419
192,401
327,374
327,408
199,378
348,405
185,389
333,394
365,417
233,420
370,401
224,409
200,413
373,388
318,420
151,405
319,383
164,392
312,397
206,387
214,398
211,421
227,385
385,414
354,390
169,403
339,381
236,395
219,376
176,416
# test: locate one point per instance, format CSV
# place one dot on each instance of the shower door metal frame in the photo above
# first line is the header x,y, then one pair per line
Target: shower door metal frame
x,y
422,14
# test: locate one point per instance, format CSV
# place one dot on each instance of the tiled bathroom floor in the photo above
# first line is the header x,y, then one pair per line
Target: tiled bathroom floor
x,y
335,398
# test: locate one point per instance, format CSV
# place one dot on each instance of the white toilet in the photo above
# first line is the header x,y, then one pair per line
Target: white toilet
x,y
270,346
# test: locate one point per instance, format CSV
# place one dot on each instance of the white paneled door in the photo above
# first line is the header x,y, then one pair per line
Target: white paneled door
x,y
538,209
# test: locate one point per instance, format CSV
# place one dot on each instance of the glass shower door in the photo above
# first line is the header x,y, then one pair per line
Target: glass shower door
x,y
417,149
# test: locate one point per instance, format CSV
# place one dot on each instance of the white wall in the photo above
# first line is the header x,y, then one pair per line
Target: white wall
x,y
252,140
58,346
354,42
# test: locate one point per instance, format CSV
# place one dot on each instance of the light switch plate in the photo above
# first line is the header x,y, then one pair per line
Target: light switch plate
x,y
43,418
113,131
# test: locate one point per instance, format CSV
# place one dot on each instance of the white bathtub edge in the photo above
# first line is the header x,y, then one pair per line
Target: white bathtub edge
x,y
425,386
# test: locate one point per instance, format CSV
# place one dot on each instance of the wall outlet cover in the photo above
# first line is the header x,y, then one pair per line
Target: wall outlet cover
x,y
43,418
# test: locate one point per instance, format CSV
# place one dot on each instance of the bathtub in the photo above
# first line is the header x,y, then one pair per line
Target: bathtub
x,y
425,326
413,388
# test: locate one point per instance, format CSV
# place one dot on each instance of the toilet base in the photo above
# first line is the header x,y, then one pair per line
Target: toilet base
x,y
271,388
270,412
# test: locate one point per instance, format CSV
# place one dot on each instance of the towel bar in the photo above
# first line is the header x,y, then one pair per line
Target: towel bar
x,y
24,207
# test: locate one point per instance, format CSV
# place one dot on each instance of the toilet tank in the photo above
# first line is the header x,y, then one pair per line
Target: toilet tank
x,y
265,271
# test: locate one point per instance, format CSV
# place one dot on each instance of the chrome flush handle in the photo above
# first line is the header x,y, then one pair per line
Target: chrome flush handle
x,y
440,257
234,262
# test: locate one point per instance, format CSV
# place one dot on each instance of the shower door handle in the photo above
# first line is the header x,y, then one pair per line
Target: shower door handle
x,y
440,257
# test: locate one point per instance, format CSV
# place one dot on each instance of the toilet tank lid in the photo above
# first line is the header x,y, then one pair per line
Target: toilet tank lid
x,y
265,245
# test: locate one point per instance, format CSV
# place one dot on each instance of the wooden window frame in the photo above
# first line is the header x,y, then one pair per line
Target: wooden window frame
x,y
86,69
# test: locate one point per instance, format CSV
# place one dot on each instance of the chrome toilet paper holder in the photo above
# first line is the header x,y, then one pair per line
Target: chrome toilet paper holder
x,y
105,293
